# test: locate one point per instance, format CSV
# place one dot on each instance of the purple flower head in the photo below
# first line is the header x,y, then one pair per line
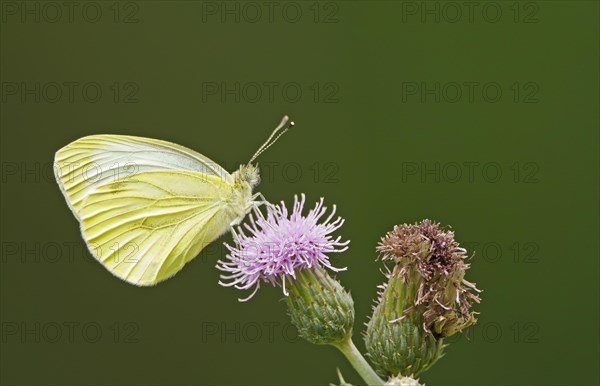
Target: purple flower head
x,y
277,246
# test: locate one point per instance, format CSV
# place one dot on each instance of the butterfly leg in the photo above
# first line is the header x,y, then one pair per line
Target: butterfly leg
x,y
263,201
255,205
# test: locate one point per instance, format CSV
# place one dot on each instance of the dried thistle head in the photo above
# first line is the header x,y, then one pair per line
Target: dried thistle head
x,y
428,253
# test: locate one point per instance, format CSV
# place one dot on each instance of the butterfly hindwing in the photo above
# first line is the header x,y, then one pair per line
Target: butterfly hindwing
x,y
145,227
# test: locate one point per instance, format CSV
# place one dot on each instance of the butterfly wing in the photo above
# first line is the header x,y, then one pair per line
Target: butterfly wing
x,y
91,161
144,228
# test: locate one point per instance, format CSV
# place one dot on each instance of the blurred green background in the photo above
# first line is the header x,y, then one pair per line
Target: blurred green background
x,y
481,115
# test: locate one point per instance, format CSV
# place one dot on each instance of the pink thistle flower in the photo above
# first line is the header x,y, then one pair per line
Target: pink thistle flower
x,y
277,246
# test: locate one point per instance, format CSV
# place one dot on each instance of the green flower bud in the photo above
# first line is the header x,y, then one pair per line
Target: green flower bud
x,y
426,299
320,308
396,341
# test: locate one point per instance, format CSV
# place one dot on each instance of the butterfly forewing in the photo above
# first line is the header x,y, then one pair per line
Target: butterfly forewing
x,y
89,162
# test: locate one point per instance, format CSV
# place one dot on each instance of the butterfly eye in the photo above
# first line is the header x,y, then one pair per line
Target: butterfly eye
x,y
255,181
251,175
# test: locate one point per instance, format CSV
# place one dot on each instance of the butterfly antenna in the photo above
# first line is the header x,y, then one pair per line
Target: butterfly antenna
x,y
281,129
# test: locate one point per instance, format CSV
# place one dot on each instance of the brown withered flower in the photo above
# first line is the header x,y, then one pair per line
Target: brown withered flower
x,y
425,299
443,291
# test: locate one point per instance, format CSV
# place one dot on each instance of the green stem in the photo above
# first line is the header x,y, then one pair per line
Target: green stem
x,y
359,363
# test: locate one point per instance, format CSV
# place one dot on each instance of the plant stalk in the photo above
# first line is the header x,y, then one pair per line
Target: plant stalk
x,y
359,363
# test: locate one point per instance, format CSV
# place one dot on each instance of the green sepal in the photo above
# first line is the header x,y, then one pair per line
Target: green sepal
x,y
319,307
395,339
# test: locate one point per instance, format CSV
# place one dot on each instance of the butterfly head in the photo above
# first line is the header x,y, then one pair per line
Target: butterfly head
x,y
247,174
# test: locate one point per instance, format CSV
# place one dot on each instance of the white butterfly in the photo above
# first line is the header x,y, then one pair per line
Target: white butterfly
x,y
147,207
